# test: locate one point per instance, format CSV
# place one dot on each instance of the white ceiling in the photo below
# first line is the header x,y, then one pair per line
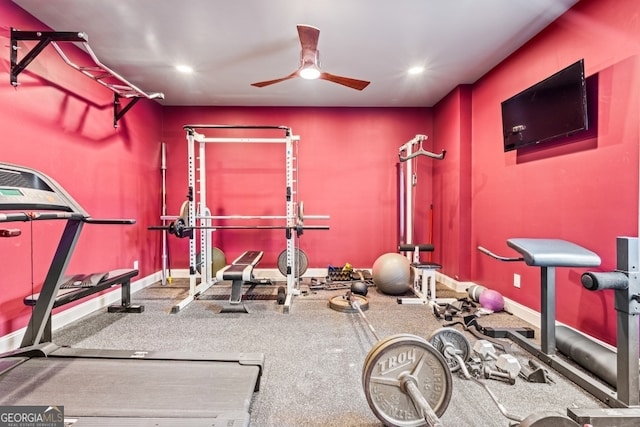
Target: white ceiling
x,y
232,44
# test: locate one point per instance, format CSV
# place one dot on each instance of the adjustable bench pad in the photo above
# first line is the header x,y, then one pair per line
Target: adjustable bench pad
x,y
241,268
553,253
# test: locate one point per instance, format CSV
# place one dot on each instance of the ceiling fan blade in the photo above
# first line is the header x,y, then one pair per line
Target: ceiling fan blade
x,y
271,82
345,81
308,37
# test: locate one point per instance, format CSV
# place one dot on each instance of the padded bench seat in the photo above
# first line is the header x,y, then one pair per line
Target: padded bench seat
x,y
239,272
73,290
553,253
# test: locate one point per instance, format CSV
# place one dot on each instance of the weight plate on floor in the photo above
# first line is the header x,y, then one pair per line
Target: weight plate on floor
x,y
218,261
391,360
302,262
441,338
548,419
340,303
382,343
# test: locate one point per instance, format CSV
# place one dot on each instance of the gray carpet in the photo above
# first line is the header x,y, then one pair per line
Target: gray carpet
x,y
313,355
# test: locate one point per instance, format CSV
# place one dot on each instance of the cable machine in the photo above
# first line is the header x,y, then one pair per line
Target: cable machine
x,y
424,284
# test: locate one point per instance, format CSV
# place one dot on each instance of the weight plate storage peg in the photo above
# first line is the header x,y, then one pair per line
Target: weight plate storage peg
x,y
447,340
406,381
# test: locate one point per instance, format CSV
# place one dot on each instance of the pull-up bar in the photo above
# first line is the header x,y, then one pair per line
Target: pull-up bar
x,y
99,72
192,127
198,137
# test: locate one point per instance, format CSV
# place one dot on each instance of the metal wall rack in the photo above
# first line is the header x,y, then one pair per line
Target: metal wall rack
x,y
99,72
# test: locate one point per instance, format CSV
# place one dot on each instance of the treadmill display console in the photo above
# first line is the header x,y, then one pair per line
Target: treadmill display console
x,y
10,192
22,189
30,198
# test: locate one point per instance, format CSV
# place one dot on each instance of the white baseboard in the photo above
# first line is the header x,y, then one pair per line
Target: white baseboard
x,y
12,341
525,313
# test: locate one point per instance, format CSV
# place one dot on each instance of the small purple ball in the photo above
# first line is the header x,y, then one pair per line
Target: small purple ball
x,y
492,300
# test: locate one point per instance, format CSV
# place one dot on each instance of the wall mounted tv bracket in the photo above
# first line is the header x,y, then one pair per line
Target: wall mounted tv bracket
x,y
98,71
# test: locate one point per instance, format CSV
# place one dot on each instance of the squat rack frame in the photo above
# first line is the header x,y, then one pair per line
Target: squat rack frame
x,y
200,216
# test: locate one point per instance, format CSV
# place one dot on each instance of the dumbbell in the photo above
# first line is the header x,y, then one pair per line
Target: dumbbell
x,y
508,369
507,365
485,350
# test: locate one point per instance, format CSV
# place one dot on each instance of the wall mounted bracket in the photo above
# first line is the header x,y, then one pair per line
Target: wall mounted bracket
x,y
98,71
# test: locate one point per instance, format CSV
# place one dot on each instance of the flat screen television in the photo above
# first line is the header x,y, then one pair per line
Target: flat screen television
x,y
551,109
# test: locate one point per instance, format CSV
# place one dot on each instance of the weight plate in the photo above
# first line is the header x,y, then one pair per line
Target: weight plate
x,y
300,213
395,358
381,344
302,262
218,261
340,303
548,419
443,336
184,212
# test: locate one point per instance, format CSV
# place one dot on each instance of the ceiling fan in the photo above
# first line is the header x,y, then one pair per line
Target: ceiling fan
x,y
310,63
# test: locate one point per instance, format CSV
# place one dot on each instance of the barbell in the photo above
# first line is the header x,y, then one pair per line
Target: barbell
x,y
455,347
406,380
300,216
180,229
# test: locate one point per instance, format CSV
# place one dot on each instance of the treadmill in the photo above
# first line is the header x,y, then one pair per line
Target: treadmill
x,y
109,387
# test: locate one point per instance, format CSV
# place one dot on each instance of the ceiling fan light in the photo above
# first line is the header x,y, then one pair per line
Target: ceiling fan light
x,y
310,73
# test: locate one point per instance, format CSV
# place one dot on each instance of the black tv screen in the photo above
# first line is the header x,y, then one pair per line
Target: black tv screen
x,y
548,110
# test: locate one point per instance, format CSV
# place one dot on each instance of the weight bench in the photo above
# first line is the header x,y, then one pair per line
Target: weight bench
x,y
239,272
548,254
78,286
424,279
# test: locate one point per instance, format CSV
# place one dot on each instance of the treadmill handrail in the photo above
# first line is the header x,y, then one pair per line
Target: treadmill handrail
x,y
36,216
123,221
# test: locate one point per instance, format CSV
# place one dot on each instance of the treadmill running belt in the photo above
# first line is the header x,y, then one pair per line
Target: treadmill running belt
x,y
133,388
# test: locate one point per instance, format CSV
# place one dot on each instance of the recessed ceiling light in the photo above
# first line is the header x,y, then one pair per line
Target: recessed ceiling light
x,y
416,70
184,69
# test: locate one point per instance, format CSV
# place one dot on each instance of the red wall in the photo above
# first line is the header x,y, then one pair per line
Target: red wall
x,y
452,131
61,123
585,191
346,169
